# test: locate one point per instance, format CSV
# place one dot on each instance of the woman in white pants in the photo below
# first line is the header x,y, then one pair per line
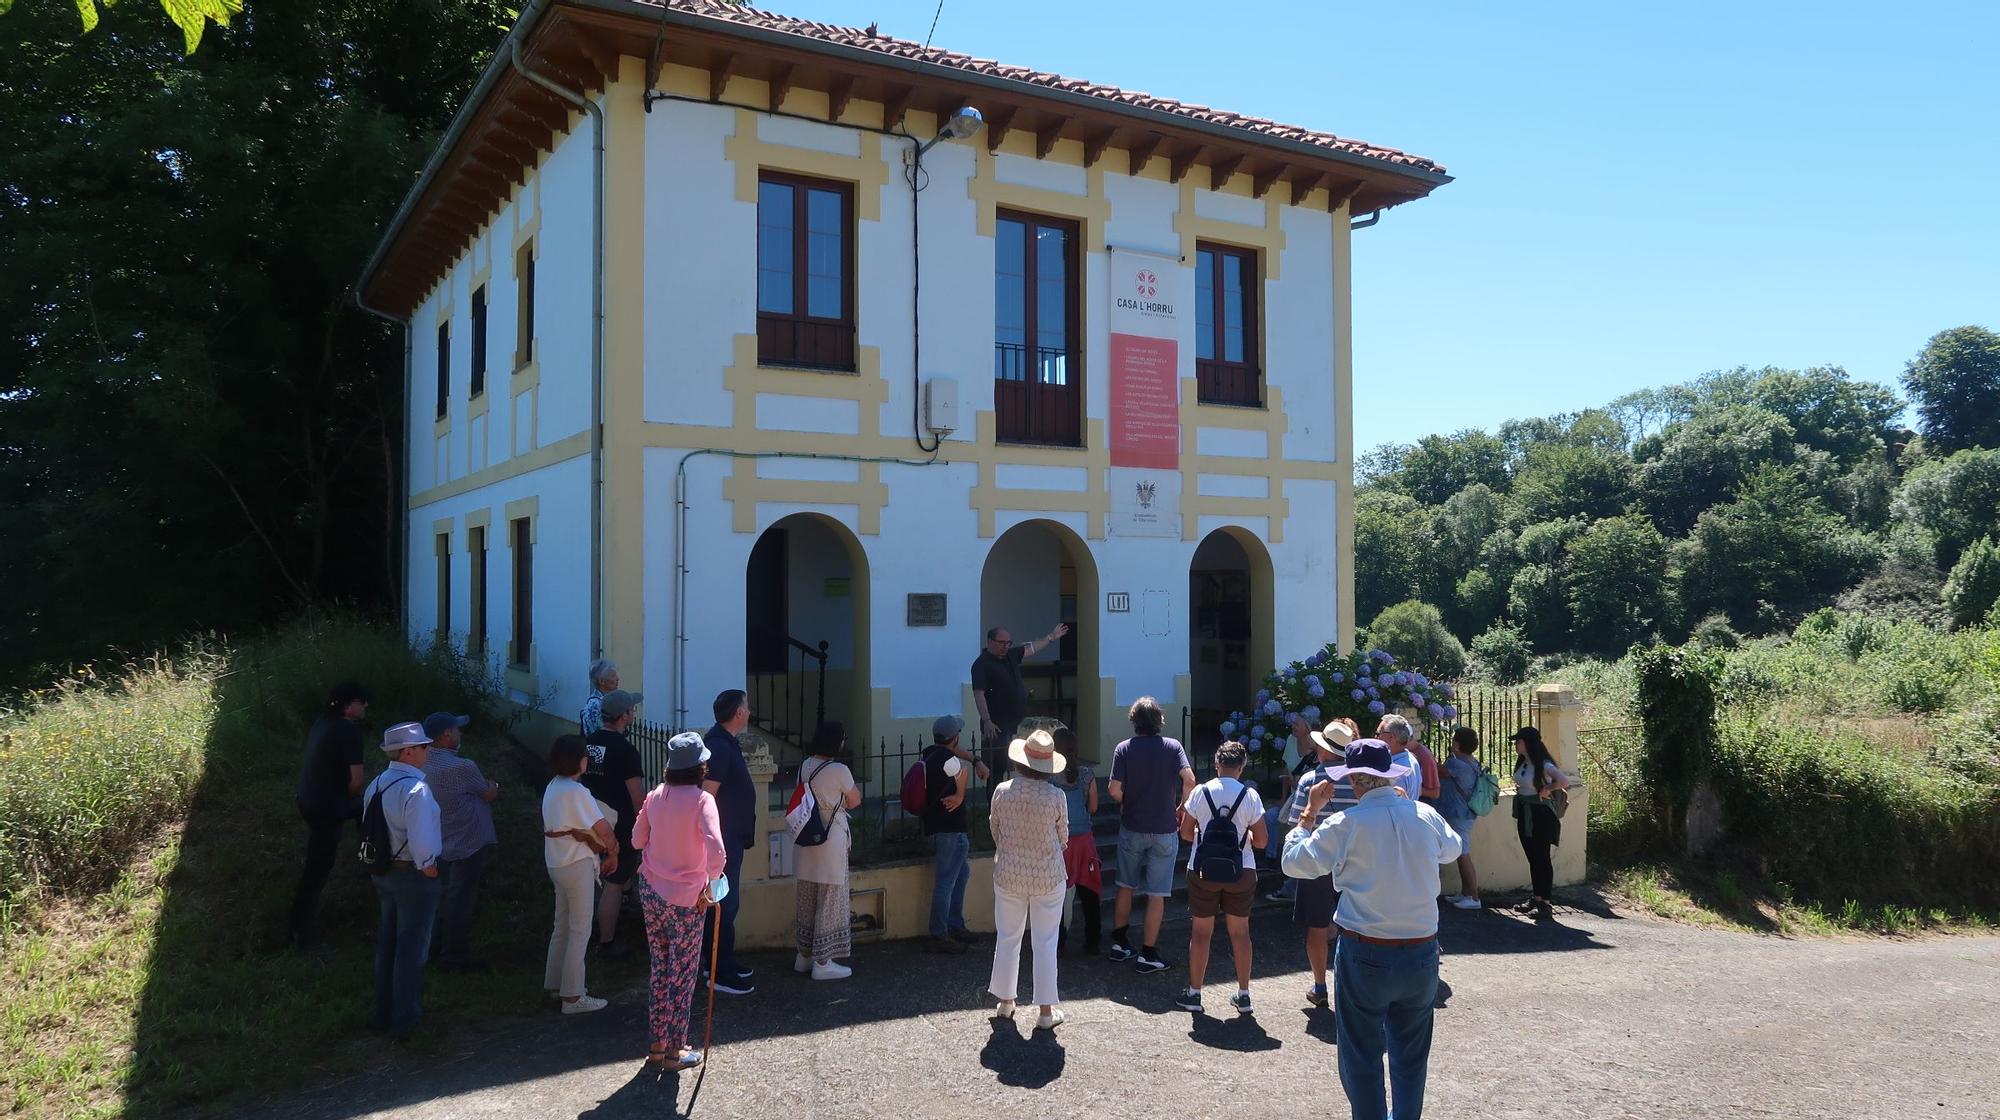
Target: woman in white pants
x,y
574,836
1030,830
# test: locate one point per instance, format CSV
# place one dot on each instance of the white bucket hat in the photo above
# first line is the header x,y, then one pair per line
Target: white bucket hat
x,y
1037,751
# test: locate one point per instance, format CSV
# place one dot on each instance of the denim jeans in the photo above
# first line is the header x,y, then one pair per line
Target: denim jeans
x,y
725,954
1382,1002
954,871
409,901
451,936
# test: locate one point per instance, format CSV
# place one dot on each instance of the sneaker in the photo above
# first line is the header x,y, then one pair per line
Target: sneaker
x,y
1188,1000
830,970
1004,1009
946,945
1450,898
1241,1002
802,963
1121,952
1543,910
1316,995
741,973
735,987
1150,964
584,1005
1525,906
1466,902
964,937
1050,1021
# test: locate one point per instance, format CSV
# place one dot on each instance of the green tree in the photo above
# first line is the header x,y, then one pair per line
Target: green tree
x,y
1776,544
1415,632
1562,480
1535,600
1440,466
1502,652
1392,544
191,16
1955,382
200,430
1952,501
1701,461
1616,578
1973,587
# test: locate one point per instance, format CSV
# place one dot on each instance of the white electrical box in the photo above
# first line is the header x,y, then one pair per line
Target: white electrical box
x,y
941,405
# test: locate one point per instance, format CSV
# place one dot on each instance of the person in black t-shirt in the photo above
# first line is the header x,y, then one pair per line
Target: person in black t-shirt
x,y
613,775
948,770
329,796
997,688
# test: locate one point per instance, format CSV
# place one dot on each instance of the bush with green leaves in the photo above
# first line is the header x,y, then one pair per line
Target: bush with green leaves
x,y
1501,654
1416,634
1677,699
1973,588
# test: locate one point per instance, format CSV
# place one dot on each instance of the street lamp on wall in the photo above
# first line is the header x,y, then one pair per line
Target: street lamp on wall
x,y
961,125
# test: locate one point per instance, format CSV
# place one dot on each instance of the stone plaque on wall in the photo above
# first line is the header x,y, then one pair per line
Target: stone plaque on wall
x,y
926,609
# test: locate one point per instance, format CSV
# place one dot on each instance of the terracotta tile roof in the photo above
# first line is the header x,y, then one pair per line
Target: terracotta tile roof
x,y
871,40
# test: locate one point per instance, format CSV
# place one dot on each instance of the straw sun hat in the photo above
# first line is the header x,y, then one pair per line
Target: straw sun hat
x,y
1037,751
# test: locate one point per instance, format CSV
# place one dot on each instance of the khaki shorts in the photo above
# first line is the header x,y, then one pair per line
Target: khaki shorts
x,y
1205,899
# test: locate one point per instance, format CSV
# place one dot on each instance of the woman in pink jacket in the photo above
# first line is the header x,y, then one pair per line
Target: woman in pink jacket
x,y
679,838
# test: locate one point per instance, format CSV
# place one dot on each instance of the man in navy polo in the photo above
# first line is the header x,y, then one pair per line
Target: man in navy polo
x,y
736,804
1384,855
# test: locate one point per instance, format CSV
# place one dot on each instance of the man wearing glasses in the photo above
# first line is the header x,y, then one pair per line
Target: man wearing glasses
x,y
997,688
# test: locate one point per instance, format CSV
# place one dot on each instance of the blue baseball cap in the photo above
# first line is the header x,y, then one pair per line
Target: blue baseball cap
x,y
442,721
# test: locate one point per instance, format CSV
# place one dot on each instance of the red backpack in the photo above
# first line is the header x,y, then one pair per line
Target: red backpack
x,y
916,787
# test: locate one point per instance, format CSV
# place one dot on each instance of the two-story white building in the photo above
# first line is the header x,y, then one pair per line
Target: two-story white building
x,y
734,337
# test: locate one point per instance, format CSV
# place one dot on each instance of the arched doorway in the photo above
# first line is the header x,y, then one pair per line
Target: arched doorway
x,y
805,630
1039,573
1229,629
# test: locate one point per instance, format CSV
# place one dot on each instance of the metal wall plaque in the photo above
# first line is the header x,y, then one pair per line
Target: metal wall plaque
x,y
1117,602
926,609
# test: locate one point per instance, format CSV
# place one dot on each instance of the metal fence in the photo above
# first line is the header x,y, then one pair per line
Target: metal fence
x,y
1495,712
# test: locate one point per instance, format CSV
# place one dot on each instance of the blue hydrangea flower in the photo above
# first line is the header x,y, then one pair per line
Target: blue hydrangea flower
x,y
1376,706
1374,694
1312,680
1447,691
1359,695
1450,712
1316,691
1263,694
1423,681
1311,715
1416,699
1227,729
1272,708
1339,678
1436,711
1257,731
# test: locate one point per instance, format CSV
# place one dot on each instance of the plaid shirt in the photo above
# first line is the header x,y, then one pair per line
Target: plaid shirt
x,y
466,822
1343,796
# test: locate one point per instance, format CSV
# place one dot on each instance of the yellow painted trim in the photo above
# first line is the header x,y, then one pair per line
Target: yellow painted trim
x,y
441,426
749,153
524,378
523,361
560,451
443,527
529,507
524,233
622,623
1268,239
480,519
1274,468
1092,210
475,405
743,490
525,681
1343,428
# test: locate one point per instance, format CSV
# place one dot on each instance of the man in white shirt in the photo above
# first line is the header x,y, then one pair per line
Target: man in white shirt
x,y
1211,890
1383,855
408,891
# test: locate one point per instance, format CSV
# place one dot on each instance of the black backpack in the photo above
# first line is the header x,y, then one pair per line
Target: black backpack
x,y
1218,855
375,853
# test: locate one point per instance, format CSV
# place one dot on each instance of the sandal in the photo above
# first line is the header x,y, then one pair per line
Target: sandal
x,y
656,1059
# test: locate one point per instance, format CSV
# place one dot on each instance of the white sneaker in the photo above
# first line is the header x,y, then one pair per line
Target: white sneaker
x,y
830,970
1050,1021
1005,1010
1466,902
802,963
583,1005
1451,898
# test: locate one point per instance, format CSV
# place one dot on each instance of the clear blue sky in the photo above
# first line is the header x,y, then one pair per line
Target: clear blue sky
x,y
1643,193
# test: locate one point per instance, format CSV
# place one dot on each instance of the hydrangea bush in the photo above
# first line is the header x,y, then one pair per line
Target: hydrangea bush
x,y
1363,685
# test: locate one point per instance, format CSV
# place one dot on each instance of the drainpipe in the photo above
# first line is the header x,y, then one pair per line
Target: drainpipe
x,y
399,533
596,114
1363,223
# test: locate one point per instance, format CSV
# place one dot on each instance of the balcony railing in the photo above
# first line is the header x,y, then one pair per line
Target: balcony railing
x,y
1229,383
1037,395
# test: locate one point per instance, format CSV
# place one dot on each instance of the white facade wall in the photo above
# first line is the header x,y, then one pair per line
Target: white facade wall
x,y
699,242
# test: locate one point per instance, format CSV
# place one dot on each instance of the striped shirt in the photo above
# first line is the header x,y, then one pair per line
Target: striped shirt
x,y
1343,796
460,790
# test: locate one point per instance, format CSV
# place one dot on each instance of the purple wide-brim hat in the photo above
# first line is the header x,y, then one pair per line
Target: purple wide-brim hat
x,y
1369,756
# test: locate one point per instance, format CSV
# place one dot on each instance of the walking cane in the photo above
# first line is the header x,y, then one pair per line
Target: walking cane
x,y
708,1028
